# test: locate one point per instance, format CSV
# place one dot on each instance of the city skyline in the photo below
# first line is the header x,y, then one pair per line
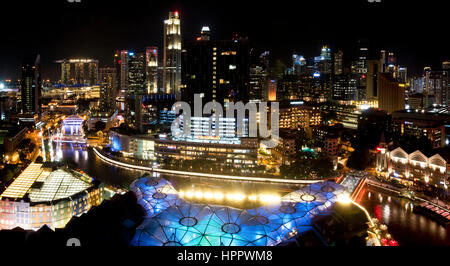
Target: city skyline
x,y
86,29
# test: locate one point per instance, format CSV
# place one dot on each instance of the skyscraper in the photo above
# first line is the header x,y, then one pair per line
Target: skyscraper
x,y
259,76
85,71
391,97
121,64
338,62
172,54
151,66
345,87
108,87
436,86
30,86
136,87
218,69
374,69
65,72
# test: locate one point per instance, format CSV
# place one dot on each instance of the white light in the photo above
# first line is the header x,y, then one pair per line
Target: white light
x,y
2,86
344,198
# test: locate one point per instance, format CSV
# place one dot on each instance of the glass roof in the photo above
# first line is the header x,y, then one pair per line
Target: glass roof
x,y
173,221
44,185
58,185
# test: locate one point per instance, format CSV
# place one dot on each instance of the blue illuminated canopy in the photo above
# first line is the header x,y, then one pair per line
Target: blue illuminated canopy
x,y
174,221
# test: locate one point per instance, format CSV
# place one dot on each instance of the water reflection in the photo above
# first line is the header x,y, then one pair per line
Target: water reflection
x,y
407,227
119,177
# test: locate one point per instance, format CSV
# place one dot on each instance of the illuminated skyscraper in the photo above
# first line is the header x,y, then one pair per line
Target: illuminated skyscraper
x,y
65,72
108,84
136,87
217,69
151,66
85,71
363,56
172,54
30,86
121,64
338,62
391,97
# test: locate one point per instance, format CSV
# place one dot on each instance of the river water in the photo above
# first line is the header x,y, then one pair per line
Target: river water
x,y
406,227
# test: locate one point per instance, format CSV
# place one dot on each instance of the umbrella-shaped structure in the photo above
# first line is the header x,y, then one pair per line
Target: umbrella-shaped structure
x,y
173,221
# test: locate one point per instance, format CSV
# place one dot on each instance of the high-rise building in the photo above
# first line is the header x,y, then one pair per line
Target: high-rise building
x,y
436,85
298,64
338,62
151,65
121,64
391,97
322,63
85,71
136,88
205,34
65,72
363,56
446,65
136,74
345,87
259,76
31,86
172,54
272,90
402,74
374,69
217,69
108,87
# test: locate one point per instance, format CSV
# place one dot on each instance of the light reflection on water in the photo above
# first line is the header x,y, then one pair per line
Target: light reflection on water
x,y
119,177
407,227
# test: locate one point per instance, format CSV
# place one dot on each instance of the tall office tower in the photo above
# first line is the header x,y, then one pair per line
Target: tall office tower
x,y
259,76
85,71
151,66
108,84
391,97
272,90
374,70
383,60
136,74
392,65
219,70
30,86
136,87
121,64
322,63
79,73
402,74
345,87
65,72
205,34
92,75
363,56
298,64
338,62
436,86
172,54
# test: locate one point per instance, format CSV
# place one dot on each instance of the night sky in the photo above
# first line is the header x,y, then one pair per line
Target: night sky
x,y
414,31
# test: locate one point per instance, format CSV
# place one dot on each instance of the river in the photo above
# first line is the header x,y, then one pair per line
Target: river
x,y
406,227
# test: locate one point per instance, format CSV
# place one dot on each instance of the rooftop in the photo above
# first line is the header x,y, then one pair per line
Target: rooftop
x,y
43,185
